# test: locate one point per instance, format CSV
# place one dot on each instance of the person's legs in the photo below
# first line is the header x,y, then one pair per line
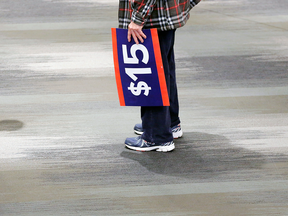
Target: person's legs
x,y
173,94
157,121
156,124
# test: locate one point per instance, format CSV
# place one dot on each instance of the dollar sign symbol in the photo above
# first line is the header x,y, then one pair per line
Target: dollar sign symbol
x,y
140,86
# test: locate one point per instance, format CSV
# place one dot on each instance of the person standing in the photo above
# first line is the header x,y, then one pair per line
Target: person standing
x,y
160,124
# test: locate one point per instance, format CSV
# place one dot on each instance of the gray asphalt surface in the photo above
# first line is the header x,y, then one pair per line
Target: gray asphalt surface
x,y
62,130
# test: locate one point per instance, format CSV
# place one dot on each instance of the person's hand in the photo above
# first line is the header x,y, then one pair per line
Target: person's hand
x,y
136,32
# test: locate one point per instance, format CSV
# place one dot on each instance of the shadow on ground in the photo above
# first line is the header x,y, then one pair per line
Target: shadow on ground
x,y
205,154
197,156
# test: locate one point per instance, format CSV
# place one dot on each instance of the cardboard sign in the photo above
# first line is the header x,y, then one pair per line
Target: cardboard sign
x,y
139,70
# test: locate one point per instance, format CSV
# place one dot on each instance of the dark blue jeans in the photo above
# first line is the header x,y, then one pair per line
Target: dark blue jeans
x,y
157,121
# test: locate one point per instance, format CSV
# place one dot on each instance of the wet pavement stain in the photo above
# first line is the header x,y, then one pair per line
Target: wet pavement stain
x,y
11,125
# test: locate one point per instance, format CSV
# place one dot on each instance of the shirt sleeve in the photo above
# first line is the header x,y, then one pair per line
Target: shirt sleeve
x,y
142,10
194,2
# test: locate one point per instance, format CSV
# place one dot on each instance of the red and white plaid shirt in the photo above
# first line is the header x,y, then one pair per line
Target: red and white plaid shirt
x,y
160,14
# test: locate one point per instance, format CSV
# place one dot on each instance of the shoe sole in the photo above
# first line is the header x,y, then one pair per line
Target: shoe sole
x,y
138,132
157,148
176,135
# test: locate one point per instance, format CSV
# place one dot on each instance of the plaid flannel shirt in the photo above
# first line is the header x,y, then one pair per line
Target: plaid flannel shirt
x,y
160,14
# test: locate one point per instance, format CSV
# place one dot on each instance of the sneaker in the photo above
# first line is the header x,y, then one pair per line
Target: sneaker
x,y
139,144
138,129
176,130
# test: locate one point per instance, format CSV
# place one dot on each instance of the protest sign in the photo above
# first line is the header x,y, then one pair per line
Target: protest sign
x,y
139,70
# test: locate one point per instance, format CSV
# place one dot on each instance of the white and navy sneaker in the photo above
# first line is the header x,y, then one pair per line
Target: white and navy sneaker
x,y
176,130
139,144
138,129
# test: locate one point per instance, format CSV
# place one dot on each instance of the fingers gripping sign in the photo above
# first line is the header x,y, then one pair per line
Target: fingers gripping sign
x,y
136,32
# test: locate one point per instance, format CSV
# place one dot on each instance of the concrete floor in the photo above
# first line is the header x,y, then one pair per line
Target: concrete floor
x,y
62,129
